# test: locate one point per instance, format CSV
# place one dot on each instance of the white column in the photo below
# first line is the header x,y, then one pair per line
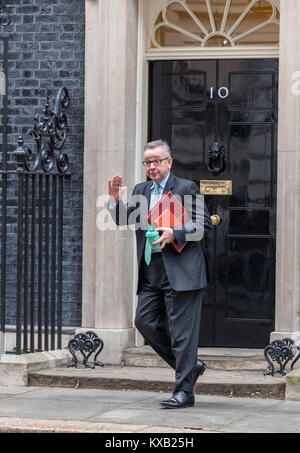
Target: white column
x,y
287,315
110,128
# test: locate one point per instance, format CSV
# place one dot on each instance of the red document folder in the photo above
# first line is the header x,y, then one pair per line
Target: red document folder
x,y
168,212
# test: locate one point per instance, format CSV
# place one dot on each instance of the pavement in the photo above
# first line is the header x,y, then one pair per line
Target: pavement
x,y
80,410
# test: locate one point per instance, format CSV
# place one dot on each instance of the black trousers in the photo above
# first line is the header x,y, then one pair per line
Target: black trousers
x,y
169,320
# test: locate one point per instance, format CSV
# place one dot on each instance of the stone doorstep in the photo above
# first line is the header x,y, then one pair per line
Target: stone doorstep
x,y
14,369
215,358
293,385
213,382
49,369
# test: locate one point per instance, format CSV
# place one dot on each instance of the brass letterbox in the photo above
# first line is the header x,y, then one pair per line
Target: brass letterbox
x,y
215,187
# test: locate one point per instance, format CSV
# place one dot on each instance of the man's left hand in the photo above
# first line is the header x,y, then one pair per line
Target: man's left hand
x,y
167,237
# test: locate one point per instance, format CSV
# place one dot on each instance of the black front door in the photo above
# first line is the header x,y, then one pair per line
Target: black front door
x,y
194,104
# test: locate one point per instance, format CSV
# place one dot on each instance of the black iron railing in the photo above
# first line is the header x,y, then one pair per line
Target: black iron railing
x,y
32,233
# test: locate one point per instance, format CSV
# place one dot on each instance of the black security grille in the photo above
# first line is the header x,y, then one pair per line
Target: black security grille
x,y
32,209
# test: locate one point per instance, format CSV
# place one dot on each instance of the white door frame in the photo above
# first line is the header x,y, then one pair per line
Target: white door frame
x,y
145,55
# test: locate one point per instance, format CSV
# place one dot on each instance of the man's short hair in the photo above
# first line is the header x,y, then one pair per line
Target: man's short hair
x,y
159,143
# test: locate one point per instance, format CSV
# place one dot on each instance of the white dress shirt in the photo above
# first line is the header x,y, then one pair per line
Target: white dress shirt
x,y
161,188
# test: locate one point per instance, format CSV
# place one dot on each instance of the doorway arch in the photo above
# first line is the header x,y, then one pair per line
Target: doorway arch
x,y
211,29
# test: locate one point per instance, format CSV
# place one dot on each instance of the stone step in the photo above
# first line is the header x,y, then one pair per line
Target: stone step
x,y
213,382
216,358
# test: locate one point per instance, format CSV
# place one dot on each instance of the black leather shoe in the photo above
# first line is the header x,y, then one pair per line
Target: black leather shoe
x,y
179,400
199,369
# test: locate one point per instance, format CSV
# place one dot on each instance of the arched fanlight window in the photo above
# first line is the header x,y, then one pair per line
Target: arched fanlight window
x,y
217,23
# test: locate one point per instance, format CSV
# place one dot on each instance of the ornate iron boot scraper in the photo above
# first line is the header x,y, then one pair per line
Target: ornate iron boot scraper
x,y
281,352
86,343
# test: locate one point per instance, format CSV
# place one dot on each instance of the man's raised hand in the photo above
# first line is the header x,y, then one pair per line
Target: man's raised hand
x,y
115,188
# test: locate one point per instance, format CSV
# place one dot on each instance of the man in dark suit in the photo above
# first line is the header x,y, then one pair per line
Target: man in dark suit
x,y
170,288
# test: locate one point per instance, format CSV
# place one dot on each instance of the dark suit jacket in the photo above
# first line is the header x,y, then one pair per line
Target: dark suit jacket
x,y
187,270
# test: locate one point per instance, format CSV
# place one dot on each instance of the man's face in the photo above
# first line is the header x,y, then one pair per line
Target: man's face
x,y
159,172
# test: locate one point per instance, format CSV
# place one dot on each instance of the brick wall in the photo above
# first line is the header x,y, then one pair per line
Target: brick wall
x,y
46,52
